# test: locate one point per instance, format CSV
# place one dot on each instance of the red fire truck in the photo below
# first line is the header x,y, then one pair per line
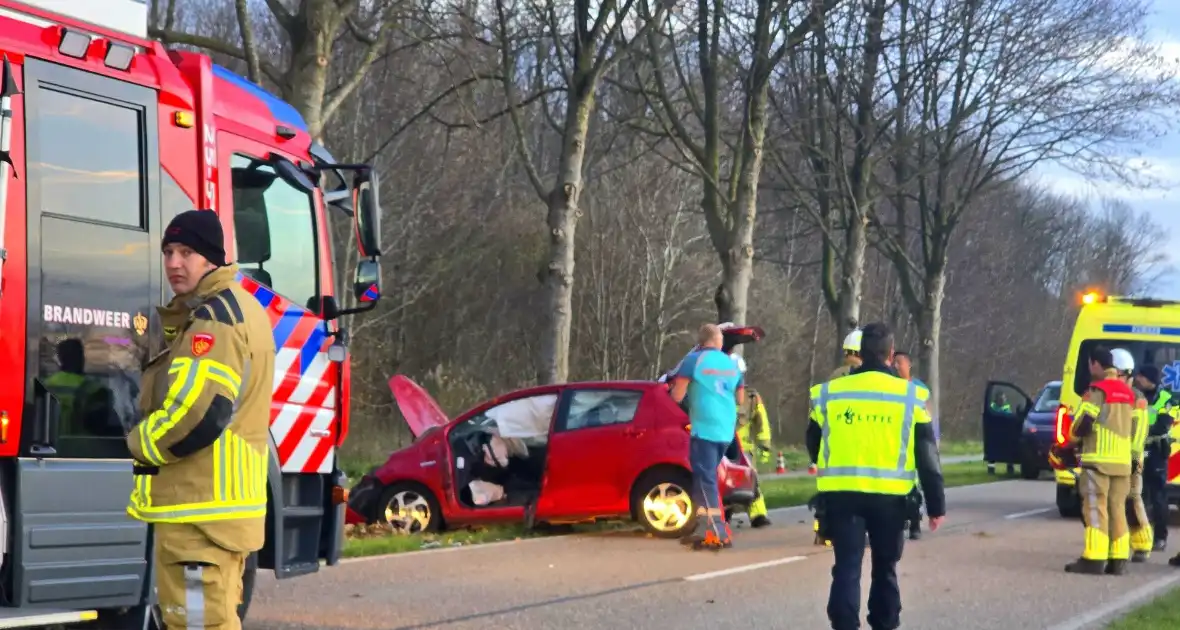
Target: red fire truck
x,y
105,136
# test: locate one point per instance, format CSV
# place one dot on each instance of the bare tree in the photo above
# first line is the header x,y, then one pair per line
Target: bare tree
x,y
986,91
583,56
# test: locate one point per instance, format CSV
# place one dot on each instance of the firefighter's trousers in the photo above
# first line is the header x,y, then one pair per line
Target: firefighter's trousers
x,y
1137,519
758,506
199,582
1104,505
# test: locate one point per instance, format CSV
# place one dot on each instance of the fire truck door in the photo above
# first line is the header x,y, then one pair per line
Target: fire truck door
x,y
94,211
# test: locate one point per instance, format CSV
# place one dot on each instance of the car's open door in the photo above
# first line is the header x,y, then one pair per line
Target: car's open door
x,y
1004,409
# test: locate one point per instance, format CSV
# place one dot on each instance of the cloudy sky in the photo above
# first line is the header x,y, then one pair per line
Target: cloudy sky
x,y
1160,159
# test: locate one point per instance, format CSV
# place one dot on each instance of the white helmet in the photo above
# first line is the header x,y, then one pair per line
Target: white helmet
x,y
741,363
852,341
1123,361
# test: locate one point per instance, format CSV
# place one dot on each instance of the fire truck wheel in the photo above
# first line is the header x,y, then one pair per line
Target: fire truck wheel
x,y
409,508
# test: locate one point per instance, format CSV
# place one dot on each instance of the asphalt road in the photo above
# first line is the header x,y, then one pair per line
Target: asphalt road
x,y
997,563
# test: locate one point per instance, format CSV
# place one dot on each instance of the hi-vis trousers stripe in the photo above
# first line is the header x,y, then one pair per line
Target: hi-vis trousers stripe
x,y
194,597
909,399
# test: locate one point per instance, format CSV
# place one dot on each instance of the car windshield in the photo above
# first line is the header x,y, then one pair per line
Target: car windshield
x,y
1163,354
1049,399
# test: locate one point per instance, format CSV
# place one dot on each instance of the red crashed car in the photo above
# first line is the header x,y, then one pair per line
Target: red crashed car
x,y
557,454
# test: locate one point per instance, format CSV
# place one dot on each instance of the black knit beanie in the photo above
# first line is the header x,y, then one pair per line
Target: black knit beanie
x,y
200,230
1151,373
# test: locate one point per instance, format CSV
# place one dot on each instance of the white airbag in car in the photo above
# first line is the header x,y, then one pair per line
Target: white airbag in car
x,y
483,492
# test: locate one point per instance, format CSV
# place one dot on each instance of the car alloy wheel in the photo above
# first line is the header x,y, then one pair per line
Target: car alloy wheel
x,y
408,512
667,507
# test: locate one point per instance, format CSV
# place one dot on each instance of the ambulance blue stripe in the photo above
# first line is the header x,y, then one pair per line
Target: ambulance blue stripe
x,y
310,348
287,324
1127,329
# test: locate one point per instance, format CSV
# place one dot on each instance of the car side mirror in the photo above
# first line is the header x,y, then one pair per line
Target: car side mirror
x,y
366,213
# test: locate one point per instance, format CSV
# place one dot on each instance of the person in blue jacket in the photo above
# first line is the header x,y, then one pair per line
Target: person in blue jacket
x,y
710,381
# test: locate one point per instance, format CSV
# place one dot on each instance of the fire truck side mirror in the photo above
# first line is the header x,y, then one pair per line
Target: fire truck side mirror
x,y
47,414
366,212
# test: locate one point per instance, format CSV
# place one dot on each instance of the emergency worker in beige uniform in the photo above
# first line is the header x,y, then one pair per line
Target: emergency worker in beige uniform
x,y
1102,432
201,450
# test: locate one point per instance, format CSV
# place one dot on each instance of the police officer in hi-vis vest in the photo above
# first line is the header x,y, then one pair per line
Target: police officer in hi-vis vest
x,y
201,449
870,435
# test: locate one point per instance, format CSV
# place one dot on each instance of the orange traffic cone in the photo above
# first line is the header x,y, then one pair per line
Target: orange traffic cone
x,y
781,466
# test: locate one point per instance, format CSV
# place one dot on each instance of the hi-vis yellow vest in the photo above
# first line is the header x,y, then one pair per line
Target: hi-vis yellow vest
x,y
867,422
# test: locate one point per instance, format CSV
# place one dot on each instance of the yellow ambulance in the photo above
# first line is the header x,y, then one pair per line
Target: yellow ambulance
x,y
1147,328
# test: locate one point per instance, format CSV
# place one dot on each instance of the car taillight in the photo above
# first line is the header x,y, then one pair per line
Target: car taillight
x,y
1064,420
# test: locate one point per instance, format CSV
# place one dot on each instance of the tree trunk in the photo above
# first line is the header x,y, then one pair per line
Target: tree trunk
x,y
306,79
562,221
852,282
930,331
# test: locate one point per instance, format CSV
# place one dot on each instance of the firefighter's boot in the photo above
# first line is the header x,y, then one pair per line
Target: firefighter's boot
x,y
1086,567
1140,556
1116,567
758,517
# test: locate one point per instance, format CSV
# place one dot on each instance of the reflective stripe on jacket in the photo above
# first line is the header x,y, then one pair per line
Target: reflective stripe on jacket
x,y
1105,426
867,423
201,450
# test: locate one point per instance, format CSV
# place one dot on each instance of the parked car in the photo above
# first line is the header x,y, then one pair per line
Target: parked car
x,y
569,453
1038,431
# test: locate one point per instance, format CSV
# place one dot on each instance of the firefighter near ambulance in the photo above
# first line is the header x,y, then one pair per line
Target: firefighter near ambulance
x,y
1100,442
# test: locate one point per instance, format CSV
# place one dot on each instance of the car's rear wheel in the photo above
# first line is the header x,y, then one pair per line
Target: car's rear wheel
x,y
660,502
409,508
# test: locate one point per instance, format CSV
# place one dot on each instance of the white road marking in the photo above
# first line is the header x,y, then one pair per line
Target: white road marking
x,y
1119,605
1028,513
742,569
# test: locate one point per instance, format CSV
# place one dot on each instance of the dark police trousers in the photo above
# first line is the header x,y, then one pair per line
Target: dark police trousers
x,y
850,516
1155,498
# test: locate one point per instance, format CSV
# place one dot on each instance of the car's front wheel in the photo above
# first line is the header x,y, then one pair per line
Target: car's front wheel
x,y
660,502
409,508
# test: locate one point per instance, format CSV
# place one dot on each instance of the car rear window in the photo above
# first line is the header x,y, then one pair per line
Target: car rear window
x,y
1049,399
1163,354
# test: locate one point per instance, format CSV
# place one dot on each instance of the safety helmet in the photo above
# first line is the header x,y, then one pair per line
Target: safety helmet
x,y
1123,361
852,341
741,363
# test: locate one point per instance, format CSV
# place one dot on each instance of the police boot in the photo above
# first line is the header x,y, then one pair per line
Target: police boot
x,y
1175,560
1139,556
916,530
1116,567
1087,567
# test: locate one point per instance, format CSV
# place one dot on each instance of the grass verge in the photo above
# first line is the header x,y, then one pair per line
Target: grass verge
x,y
1162,613
376,540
